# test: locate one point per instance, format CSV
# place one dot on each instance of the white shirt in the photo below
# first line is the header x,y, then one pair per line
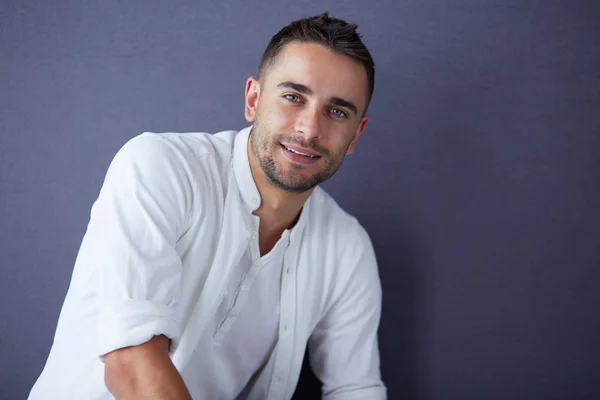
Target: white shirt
x,y
236,349
168,236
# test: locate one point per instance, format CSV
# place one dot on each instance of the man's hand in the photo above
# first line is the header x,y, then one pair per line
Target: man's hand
x,y
144,372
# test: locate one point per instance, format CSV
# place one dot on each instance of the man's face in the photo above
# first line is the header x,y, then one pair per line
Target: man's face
x,y
307,113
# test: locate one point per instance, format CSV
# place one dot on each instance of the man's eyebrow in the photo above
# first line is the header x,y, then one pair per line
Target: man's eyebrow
x,y
296,86
308,91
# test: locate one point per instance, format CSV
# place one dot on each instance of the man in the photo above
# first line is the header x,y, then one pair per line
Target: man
x,y
211,261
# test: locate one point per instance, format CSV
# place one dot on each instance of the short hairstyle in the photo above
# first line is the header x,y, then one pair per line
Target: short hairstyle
x,y
337,35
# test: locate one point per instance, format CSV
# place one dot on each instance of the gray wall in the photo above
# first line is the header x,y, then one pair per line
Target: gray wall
x,y
478,176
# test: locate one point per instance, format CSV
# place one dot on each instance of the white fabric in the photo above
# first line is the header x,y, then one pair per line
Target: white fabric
x,y
244,333
167,239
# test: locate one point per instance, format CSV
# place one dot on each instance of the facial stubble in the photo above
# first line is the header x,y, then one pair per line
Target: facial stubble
x,y
263,145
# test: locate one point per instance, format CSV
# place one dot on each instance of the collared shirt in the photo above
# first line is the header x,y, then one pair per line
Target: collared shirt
x,y
171,235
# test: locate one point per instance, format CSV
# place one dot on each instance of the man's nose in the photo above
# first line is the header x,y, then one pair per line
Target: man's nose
x,y
308,122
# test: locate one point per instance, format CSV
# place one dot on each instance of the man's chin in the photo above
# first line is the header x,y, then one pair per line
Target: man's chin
x,y
296,185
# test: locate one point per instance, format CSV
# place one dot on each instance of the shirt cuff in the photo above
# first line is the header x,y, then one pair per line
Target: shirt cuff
x,y
371,393
134,322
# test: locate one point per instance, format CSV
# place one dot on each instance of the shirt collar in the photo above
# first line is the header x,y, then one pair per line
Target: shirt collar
x,y
247,187
241,169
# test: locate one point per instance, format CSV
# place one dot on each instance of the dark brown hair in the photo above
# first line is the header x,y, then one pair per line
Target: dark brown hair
x,y
335,34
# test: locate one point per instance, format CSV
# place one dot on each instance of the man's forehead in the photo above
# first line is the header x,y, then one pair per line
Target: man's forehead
x,y
320,69
316,55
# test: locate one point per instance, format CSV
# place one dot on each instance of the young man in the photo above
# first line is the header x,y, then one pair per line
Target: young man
x,y
211,261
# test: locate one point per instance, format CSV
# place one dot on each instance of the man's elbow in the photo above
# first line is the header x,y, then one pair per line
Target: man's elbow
x,y
119,377
123,367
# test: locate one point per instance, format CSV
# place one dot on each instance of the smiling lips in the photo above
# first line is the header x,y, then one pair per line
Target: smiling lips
x,y
300,155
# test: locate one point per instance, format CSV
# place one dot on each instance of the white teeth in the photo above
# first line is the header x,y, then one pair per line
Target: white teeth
x,y
297,152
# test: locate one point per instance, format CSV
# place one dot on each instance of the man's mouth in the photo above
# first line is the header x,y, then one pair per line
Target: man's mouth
x,y
304,153
300,155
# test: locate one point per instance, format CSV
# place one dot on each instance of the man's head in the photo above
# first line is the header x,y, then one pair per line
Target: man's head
x,y
309,103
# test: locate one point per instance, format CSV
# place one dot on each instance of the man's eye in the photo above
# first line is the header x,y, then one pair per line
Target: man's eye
x,y
339,113
292,97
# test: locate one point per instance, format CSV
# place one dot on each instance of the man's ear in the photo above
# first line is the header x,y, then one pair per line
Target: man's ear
x,y
252,95
359,131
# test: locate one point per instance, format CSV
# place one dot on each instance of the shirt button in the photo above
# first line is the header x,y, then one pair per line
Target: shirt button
x,y
249,235
253,200
287,271
278,379
244,287
225,293
285,327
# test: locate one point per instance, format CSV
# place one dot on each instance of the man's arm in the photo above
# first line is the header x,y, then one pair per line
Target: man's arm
x,y
144,372
131,245
343,348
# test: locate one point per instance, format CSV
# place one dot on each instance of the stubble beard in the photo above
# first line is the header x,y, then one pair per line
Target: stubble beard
x,y
262,147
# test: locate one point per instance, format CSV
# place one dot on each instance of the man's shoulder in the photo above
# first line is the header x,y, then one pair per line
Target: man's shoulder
x,y
192,152
195,159
328,216
193,144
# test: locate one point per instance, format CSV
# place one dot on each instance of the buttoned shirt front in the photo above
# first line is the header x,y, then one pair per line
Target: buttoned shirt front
x,y
171,249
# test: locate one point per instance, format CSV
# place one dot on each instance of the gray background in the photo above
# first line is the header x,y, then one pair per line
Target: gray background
x,y
478,176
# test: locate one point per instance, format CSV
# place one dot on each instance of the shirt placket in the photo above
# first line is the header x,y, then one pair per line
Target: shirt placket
x,y
239,298
287,320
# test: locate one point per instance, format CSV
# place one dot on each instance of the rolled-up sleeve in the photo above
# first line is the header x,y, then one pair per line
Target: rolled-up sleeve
x,y
142,209
343,348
